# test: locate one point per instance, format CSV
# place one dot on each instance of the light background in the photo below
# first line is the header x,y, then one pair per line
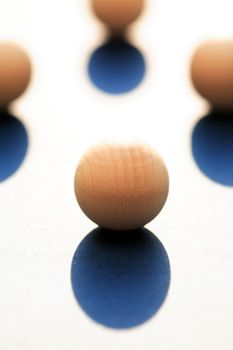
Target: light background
x,y
40,222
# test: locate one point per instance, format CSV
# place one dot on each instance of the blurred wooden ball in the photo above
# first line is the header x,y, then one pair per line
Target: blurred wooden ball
x,y
15,72
121,187
117,14
212,72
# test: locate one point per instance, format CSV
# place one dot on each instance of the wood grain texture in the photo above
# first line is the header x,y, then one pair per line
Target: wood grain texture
x,y
15,72
212,72
121,187
117,14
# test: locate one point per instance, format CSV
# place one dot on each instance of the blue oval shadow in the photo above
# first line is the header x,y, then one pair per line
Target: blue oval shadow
x,y
212,146
13,144
116,67
120,279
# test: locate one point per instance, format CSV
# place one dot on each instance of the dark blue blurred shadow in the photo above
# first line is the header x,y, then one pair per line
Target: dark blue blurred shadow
x,y
13,144
120,279
116,67
212,146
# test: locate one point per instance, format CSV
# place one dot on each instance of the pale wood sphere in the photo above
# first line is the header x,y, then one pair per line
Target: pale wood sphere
x,y
117,14
212,72
121,187
15,72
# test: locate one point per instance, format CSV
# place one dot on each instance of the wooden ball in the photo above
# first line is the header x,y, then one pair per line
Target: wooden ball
x,y
15,71
212,72
121,187
117,14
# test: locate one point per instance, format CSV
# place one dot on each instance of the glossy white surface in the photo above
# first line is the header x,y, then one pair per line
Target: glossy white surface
x,y
41,224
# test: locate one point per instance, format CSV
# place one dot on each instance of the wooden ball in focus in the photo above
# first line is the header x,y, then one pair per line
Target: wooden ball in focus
x,y
117,14
15,72
212,72
121,187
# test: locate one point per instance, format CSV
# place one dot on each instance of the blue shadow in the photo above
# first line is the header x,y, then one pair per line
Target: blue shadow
x,y
116,67
120,279
13,144
212,146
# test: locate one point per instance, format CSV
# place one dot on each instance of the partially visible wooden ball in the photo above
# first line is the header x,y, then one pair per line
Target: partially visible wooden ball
x,y
117,14
121,187
212,72
15,72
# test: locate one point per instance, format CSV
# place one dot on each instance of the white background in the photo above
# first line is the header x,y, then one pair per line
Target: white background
x,y
40,222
